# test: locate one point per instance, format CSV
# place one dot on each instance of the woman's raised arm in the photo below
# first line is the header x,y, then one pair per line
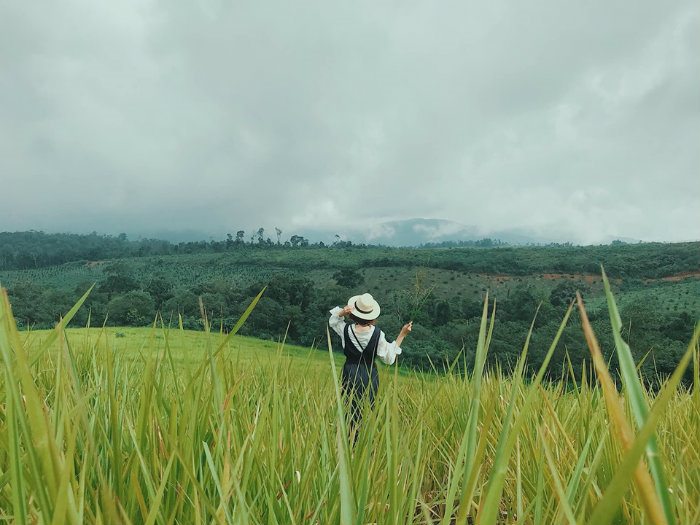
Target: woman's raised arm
x,y
405,330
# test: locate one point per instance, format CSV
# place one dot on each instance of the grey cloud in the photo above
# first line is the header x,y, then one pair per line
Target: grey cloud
x,y
579,119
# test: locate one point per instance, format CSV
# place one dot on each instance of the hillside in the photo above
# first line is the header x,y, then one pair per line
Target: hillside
x,y
656,285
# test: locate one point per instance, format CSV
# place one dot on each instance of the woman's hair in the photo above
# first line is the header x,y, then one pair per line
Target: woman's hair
x,y
361,322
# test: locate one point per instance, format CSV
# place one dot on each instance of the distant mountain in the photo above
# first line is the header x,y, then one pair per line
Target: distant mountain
x,y
414,232
419,231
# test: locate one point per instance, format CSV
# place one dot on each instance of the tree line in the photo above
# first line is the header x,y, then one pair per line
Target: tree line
x,y
36,249
31,250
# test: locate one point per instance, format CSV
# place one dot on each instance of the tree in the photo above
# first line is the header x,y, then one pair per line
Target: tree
x,y
279,235
565,292
442,313
287,290
118,280
348,277
678,326
269,319
240,235
26,296
521,305
135,308
184,303
160,289
261,235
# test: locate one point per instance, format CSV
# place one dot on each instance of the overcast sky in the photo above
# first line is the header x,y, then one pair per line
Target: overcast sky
x,y
579,119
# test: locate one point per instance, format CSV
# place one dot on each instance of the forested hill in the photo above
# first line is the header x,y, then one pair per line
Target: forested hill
x,y
441,289
32,250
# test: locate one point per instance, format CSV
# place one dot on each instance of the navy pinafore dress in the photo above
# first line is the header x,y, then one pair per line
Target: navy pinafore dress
x,y
359,376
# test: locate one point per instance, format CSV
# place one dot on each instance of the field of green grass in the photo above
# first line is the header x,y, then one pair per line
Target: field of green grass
x,y
186,347
166,426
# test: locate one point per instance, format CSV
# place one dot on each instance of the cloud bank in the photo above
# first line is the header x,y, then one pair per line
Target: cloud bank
x,y
577,119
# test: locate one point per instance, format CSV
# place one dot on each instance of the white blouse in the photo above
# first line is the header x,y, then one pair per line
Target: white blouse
x,y
386,351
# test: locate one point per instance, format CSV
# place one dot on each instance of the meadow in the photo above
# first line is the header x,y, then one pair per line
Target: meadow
x,y
163,425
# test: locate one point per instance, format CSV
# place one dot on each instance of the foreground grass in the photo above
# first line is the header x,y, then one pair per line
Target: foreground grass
x,y
167,426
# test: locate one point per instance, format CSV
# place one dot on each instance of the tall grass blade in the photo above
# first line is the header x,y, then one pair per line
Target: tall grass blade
x,y
19,497
39,433
635,392
489,506
607,506
619,422
60,327
347,499
242,319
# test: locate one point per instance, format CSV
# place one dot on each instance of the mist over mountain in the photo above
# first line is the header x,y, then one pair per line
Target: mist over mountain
x,y
420,231
396,233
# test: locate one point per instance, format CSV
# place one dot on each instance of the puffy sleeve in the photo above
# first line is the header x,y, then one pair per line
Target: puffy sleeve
x,y
336,322
387,351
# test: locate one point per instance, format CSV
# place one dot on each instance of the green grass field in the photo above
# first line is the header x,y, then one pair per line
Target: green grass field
x,y
165,426
187,347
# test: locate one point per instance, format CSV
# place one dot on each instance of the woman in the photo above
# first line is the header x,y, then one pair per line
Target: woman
x,y
362,342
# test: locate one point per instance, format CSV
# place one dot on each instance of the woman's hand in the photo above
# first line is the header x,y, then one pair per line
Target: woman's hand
x,y
405,330
345,311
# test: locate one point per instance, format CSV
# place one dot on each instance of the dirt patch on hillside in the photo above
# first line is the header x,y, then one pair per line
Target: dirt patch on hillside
x,y
679,277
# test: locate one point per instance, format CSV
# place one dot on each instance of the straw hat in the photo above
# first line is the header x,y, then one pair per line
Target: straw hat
x,y
364,306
